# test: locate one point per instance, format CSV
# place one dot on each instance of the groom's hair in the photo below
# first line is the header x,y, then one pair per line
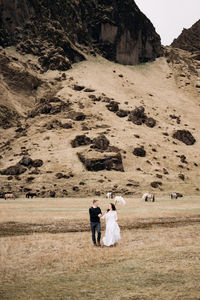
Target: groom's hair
x,y
94,201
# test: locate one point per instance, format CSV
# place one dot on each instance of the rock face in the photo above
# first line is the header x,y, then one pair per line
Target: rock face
x,y
189,39
56,31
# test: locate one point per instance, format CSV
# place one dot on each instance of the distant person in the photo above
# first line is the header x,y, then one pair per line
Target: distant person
x,y
95,223
112,235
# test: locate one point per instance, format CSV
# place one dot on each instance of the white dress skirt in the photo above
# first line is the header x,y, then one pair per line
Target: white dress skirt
x,y
112,234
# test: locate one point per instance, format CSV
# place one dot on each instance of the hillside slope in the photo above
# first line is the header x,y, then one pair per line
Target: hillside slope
x,y
97,98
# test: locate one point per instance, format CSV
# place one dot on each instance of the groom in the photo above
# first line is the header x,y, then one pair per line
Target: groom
x,y
95,214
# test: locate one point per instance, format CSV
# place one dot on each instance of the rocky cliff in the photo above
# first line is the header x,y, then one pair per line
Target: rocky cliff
x,y
189,39
63,32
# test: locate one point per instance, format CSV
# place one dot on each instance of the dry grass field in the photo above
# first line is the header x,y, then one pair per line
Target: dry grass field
x,y
46,251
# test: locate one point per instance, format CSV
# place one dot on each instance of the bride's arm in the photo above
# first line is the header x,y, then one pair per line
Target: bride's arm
x,y
116,218
103,216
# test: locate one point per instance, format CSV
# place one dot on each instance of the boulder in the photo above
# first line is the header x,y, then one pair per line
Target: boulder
x,y
76,189
80,140
66,125
165,171
89,90
181,176
184,136
113,106
77,116
61,175
150,122
156,184
122,113
52,194
78,87
13,170
137,116
37,163
57,124
183,159
100,163
139,151
95,98
177,118
26,161
101,142
30,179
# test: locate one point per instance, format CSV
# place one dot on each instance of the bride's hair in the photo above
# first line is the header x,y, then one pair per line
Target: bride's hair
x,y
113,207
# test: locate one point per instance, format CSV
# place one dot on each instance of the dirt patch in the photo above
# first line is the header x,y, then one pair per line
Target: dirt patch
x,y
17,229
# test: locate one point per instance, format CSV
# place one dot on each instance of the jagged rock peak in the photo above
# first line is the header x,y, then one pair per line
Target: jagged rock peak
x,y
116,29
189,39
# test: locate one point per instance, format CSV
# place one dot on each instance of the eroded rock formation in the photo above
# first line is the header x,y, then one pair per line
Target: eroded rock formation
x,y
189,39
60,32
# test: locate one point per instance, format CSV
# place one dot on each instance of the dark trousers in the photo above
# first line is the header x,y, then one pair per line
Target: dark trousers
x,y
96,226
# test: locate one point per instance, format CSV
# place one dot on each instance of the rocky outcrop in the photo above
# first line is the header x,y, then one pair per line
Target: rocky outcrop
x,y
13,170
17,76
60,32
189,39
19,168
184,136
37,163
49,106
139,117
98,162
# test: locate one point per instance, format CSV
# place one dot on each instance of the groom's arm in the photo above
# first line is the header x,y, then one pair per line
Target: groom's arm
x,y
90,211
100,213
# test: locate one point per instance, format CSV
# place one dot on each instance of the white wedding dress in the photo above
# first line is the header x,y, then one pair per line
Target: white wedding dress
x,y
112,234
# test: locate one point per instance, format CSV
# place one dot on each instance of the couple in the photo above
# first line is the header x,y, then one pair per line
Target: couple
x,y
112,234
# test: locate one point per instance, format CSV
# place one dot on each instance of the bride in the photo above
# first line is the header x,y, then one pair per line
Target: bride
x,y
112,234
